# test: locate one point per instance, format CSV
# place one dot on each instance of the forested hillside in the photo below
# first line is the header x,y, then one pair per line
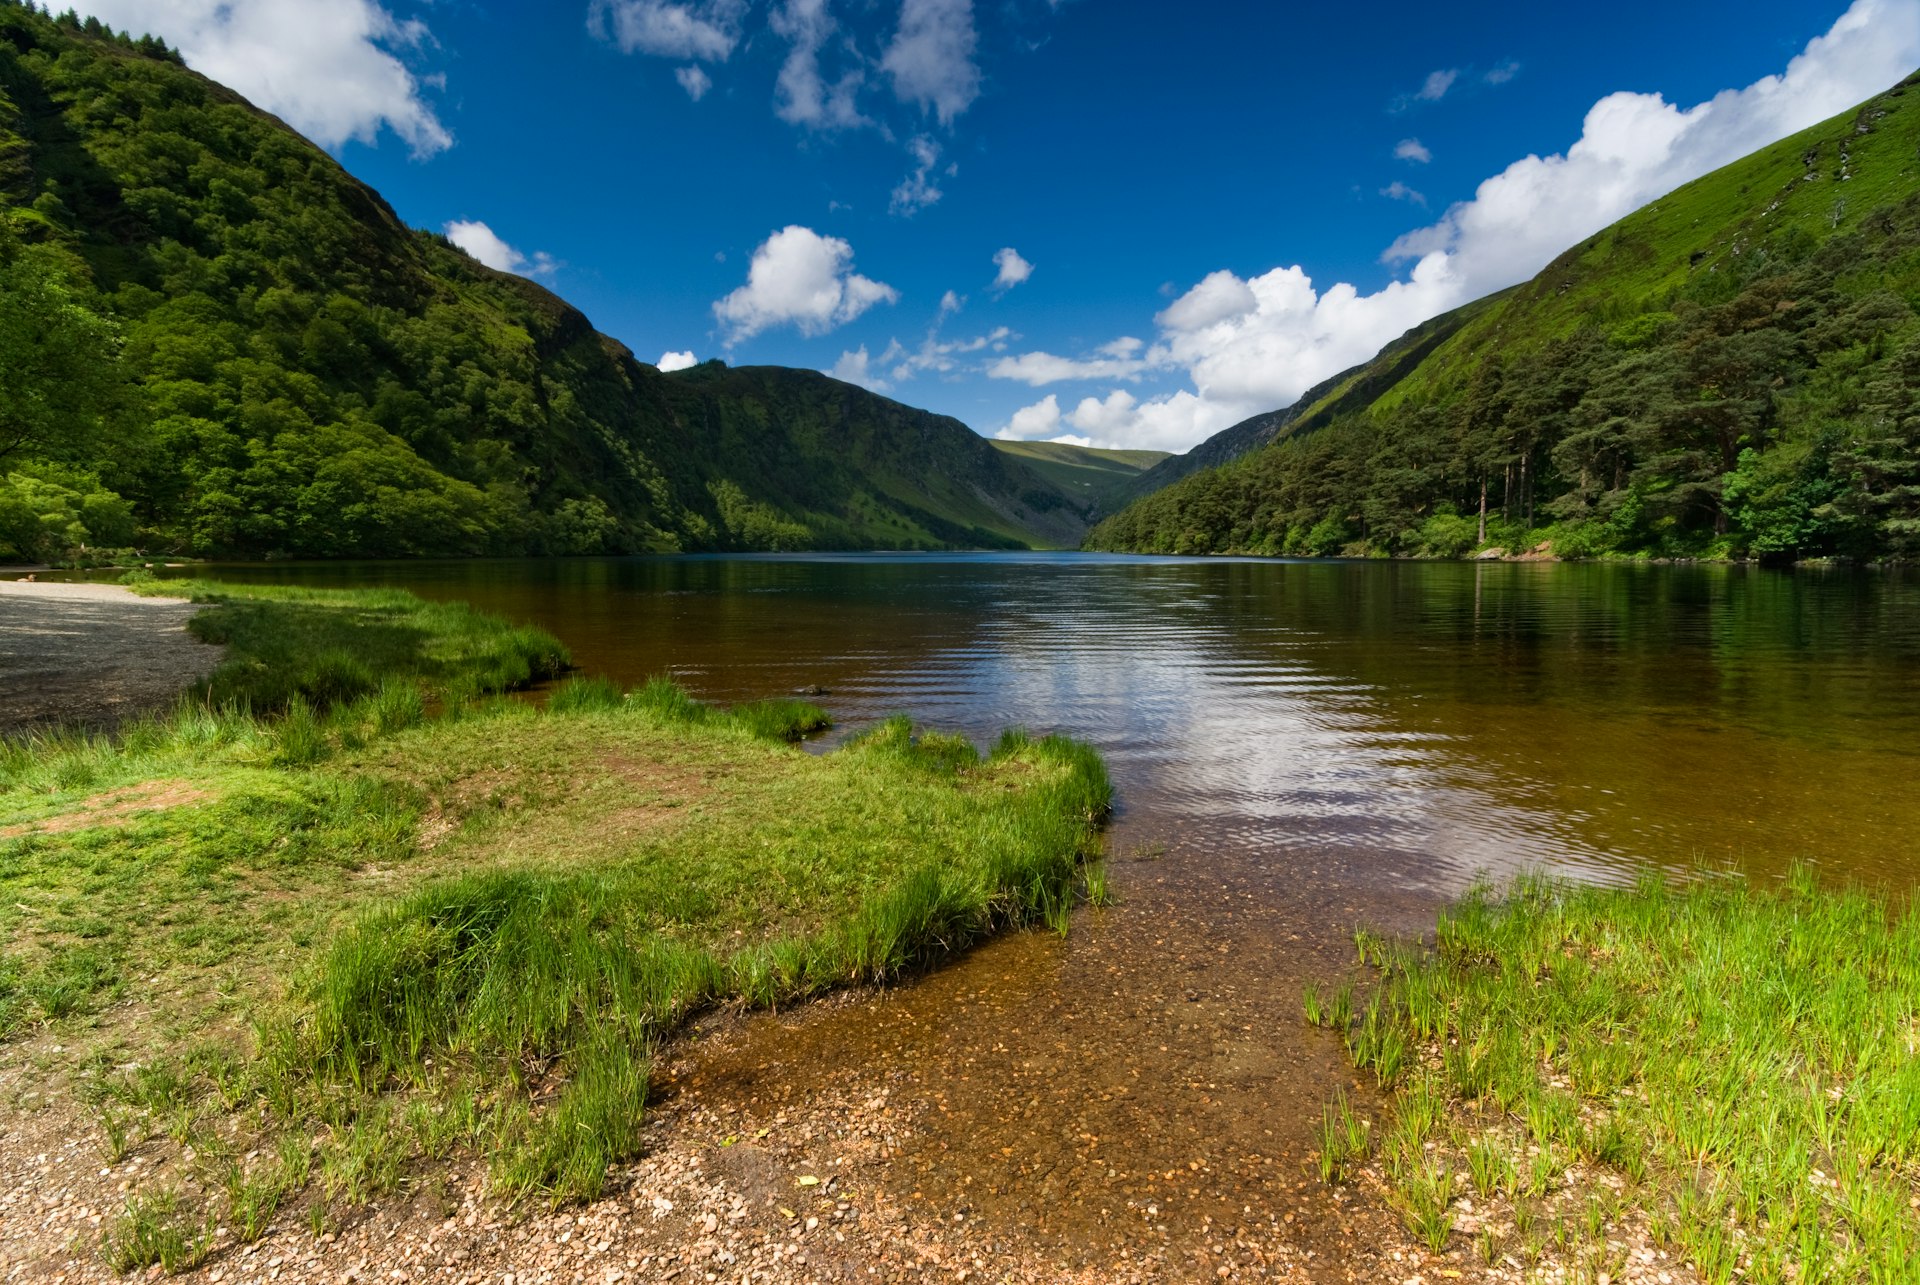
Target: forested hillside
x,y
215,341
1732,370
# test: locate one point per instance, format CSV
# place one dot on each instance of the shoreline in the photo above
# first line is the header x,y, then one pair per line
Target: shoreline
x,y
949,1120
93,655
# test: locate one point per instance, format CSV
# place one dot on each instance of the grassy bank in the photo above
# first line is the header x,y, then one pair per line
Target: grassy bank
x,y
288,645
1723,1072
345,913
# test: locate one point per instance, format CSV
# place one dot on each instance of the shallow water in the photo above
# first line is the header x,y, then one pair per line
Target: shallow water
x,y
1298,748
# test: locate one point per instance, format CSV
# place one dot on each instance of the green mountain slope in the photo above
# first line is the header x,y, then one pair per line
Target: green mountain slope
x,y
277,365
1734,369
1088,473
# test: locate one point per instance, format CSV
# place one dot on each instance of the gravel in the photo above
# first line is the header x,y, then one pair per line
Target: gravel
x,y
92,654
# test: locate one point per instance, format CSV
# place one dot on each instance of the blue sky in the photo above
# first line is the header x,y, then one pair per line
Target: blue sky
x,y
827,183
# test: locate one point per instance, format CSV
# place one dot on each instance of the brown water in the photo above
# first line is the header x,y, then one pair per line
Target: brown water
x,y
1297,748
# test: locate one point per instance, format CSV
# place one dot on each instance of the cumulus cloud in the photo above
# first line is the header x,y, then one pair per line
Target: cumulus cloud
x,y
670,361
802,279
1037,422
917,190
332,71
707,30
930,58
1412,149
801,94
1398,191
484,244
1012,269
1097,420
694,79
1254,344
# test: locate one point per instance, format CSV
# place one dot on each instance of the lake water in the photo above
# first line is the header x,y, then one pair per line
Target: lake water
x,y
1298,748
1431,721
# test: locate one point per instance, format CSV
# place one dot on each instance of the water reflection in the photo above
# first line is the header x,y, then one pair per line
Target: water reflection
x,y
1421,722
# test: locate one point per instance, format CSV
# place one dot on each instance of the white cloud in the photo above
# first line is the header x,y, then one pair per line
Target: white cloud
x,y
1029,423
1118,419
950,303
329,70
1437,85
1124,346
707,30
1412,149
1503,73
1218,297
801,94
1101,419
1635,147
917,190
931,57
484,244
803,279
676,361
940,356
694,79
859,367
1041,368
1012,269
1398,191
1254,344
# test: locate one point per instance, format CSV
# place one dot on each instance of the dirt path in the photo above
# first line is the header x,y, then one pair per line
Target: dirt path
x,y
92,654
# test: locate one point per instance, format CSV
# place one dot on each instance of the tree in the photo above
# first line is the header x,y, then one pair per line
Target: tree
x,y
60,378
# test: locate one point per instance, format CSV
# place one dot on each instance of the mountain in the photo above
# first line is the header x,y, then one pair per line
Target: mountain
x,y
1090,474
1732,370
214,340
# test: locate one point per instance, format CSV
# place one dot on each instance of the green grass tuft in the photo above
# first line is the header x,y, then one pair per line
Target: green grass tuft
x,y
889,854
1741,1059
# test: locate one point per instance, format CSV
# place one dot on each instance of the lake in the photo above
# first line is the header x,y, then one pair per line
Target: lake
x,y
1433,721
1298,749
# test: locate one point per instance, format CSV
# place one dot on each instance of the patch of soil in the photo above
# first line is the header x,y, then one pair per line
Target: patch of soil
x,y
117,808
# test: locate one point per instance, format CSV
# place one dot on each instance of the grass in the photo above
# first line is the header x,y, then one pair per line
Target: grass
x,y
1732,1069
784,877
329,647
153,1230
1641,263
349,906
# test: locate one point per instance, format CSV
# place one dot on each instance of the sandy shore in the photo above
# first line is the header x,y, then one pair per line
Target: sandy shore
x,y
92,654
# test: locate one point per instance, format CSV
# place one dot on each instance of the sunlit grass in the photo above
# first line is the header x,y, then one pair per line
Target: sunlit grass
x,y
1734,1067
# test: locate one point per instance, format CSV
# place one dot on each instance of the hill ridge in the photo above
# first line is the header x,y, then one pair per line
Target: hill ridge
x,y
296,372
1726,372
